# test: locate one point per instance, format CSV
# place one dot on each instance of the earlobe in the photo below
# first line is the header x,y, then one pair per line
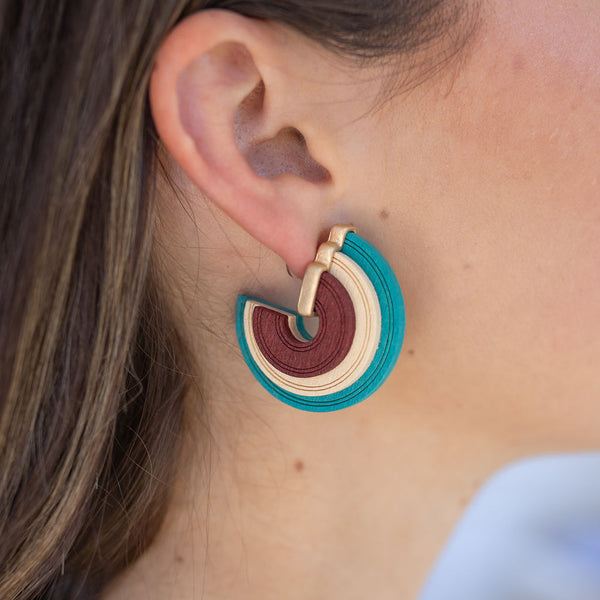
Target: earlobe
x,y
208,96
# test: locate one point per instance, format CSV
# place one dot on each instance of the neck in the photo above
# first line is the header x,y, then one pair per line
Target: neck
x,y
282,503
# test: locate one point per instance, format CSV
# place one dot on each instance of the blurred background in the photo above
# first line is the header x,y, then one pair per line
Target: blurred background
x,y
531,533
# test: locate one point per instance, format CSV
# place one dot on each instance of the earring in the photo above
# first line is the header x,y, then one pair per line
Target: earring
x,y
353,291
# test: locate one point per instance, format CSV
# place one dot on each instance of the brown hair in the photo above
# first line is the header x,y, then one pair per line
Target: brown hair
x,y
92,371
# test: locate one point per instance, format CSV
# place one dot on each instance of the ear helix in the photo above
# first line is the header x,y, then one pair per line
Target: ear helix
x,y
354,292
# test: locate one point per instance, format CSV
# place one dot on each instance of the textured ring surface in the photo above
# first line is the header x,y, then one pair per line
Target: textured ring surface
x,y
361,329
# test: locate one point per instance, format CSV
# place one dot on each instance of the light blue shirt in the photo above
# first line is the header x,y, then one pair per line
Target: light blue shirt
x,y
532,533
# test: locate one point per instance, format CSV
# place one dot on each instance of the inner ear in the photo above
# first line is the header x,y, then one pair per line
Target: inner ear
x,y
286,152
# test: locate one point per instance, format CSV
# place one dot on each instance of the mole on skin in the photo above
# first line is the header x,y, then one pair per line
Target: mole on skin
x,y
299,465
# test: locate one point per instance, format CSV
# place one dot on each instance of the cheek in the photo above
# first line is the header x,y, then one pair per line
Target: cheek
x,y
518,184
497,234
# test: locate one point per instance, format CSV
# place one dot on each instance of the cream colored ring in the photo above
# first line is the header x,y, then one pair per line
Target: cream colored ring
x,y
364,345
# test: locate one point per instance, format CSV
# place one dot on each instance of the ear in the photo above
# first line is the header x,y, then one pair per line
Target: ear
x,y
222,98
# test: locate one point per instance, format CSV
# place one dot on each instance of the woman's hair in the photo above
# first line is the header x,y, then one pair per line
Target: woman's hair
x,y
92,370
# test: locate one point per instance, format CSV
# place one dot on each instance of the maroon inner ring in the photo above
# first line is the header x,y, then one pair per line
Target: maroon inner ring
x,y
326,350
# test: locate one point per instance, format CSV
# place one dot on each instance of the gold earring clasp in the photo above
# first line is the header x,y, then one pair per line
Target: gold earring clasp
x,y
322,263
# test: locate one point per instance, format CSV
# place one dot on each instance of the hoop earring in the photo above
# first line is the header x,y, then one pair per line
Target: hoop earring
x,y
356,296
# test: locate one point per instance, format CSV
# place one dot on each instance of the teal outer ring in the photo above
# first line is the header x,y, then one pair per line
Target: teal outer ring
x,y
393,323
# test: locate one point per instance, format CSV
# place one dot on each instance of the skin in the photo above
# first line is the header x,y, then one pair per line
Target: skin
x,y
480,186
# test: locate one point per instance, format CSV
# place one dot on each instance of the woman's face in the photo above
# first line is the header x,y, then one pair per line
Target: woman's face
x,y
485,182
480,186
